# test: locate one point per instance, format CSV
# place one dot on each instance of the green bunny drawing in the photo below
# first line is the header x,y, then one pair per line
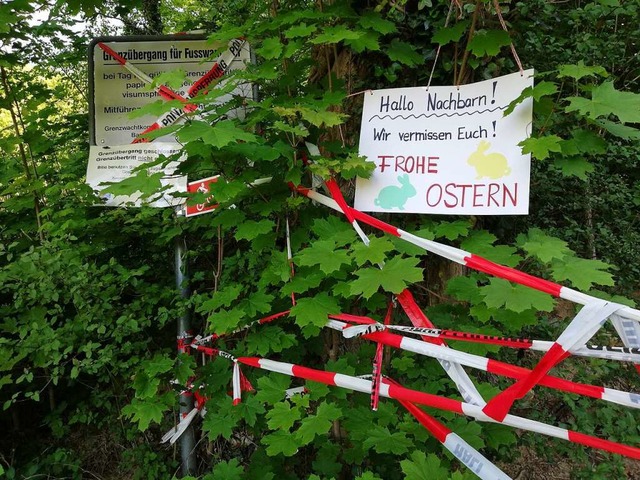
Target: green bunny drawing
x,y
490,165
395,197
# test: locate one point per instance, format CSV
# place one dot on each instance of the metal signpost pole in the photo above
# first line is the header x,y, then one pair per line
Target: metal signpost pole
x,y
187,440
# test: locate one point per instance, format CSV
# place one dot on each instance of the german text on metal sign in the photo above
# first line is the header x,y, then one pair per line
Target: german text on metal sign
x,y
116,91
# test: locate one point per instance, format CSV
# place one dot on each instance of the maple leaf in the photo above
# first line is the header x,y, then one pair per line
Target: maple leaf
x,y
394,277
373,21
324,254
224,321
605,101
375,253
280,442
231,470
336,34
222,298
422,467
145,411
317,424
258,302
282,416
580,70
488,42
576,166
581,272
541,147
311,313
543,246
518,298
368,41
480,243
250,229
220,424
302,30
383,441
271,48
219,135
451,34
271,387
404,53
452,230
303,281
272,339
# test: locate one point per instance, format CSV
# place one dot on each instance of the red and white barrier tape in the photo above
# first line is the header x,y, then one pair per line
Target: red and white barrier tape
x,y
442,403
474,460
368,325
585,324
220,67
449,356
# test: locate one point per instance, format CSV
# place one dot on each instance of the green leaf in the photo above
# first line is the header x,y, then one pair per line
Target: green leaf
x,y
321,118
302,30
147,185
303,282
582,273
580,70
271,339
539,91
271,387
375,253
145,411
367,41
282,416
465,289
542,246
404,53
231,470
324,254
396,274
589,142
258,302
373,21
451,34
220,423
488,42
219,135
383,441
518,298
224,321
271,48
421,467
318,424
171,78
480,243
498,435
576,166
280,442
541,147
623,131
222,298
605,101
157,365
453,230
311,313
336,34
250,229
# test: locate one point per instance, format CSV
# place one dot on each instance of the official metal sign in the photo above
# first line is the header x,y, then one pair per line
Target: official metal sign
x,y
121,69
201,186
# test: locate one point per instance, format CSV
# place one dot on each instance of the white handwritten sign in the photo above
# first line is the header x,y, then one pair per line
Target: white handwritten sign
x,y
447,150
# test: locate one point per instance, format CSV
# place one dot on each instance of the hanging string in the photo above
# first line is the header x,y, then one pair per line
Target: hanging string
x,y
435,60
360,93
504,27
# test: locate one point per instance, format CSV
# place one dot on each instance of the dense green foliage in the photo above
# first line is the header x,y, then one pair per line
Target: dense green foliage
x,y
87,298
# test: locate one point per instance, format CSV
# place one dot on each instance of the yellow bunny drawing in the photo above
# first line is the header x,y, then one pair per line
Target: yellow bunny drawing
x,y
490,165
